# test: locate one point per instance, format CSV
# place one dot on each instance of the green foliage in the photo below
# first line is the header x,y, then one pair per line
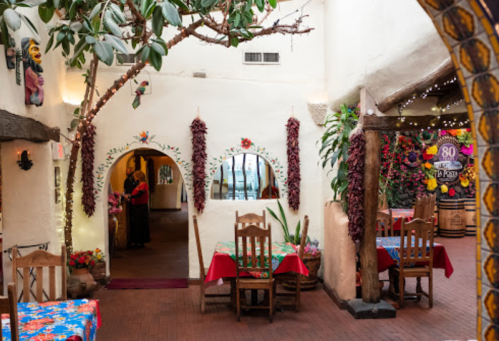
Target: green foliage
x,y
284,224
465,139
334,147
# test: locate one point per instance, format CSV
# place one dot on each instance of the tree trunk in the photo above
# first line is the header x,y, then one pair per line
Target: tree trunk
x,y
368,252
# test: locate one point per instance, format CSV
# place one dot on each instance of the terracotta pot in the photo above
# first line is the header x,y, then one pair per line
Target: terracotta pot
x,y
81,283
98,271
313,263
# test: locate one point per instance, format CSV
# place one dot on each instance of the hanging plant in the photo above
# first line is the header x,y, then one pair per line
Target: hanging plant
x,y
87,170
198,129
356,163
293,164
151,174
335,143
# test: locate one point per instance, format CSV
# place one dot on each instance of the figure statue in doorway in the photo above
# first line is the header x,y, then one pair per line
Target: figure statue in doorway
x,y
33,81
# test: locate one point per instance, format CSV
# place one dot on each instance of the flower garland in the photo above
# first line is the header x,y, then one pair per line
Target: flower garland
x,y
356,165
199,157
87,170
294,178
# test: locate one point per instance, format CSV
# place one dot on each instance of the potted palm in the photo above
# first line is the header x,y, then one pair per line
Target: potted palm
x,y
311,255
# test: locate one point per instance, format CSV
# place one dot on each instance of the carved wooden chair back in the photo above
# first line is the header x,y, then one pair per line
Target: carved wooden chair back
x,y
420,207
416,243
430,207
32,271
251,218
253,257
385,224
8,305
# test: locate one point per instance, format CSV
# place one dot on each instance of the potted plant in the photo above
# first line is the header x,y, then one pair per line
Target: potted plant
x,y
80,282
114,207
311,255
98,271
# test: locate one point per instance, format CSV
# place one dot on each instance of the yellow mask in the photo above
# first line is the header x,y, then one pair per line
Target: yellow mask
x,y
34,52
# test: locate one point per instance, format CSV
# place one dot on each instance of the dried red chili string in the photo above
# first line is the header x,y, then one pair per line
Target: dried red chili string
x,y
356,163
294,177
199,157
87,170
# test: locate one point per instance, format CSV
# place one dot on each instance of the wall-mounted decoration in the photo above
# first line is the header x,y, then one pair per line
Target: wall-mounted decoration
x,y
449,162
115,153
33,81
199,157
10,53
23,160
87,170
19,58
247,146
58,196
144,137
294,177
356,163
318,112
138,94
57,177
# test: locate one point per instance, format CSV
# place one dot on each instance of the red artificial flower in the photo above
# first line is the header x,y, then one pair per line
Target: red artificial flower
x,y
451,192
92,263
246,143
71,263
427,156
81,260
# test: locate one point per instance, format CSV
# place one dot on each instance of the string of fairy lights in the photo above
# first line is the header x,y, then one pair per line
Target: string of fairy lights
x,y
450,123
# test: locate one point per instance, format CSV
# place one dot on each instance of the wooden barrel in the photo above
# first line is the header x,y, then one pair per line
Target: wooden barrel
x,y
469,206
451,218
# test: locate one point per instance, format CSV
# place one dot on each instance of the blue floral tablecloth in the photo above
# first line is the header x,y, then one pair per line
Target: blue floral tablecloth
x,y
75,320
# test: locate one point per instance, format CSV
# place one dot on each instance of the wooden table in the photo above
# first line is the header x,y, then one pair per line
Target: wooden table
x,y
74,320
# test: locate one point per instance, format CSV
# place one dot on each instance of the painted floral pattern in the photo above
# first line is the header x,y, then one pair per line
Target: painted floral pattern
x,y
73,319
279,252
143,138
279,171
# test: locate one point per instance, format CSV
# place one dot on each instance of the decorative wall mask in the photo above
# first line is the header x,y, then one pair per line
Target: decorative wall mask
x,y
33,81
10,53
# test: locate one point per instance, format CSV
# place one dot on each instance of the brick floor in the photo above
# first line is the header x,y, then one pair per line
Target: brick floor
x,y
166,256
174,314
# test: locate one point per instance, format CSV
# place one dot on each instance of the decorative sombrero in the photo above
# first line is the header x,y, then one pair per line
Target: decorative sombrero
x,y
427,137
412,157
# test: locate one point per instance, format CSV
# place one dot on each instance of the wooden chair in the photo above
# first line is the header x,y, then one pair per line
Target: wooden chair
x,y
251,218
203,271
8,305
420,207
409,254
384,222
32,271
294,276
249,264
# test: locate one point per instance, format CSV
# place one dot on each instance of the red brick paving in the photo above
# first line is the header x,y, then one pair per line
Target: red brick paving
x,y
173,314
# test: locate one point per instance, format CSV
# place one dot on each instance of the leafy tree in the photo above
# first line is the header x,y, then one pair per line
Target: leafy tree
x,y
99,28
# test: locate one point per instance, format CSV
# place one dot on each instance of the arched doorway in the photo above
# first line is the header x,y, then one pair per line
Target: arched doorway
x,y
165,254
467,29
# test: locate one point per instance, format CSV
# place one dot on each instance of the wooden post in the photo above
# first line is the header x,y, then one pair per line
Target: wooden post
x,y
368,252
233,178
244,177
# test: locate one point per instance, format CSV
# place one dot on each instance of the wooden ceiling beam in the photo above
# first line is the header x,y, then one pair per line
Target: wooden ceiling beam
x,y
439,76
13,127
414,123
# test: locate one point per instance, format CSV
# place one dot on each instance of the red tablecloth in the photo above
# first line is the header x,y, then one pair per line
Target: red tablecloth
x,y
440,258
223,266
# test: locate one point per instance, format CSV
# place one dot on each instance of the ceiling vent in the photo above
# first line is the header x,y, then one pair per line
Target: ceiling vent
x,y
126,59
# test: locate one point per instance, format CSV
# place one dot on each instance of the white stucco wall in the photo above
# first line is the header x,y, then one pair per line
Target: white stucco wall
x,y
30,214
382,45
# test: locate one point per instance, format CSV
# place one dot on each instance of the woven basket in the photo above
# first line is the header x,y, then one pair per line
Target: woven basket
x,y
313,263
